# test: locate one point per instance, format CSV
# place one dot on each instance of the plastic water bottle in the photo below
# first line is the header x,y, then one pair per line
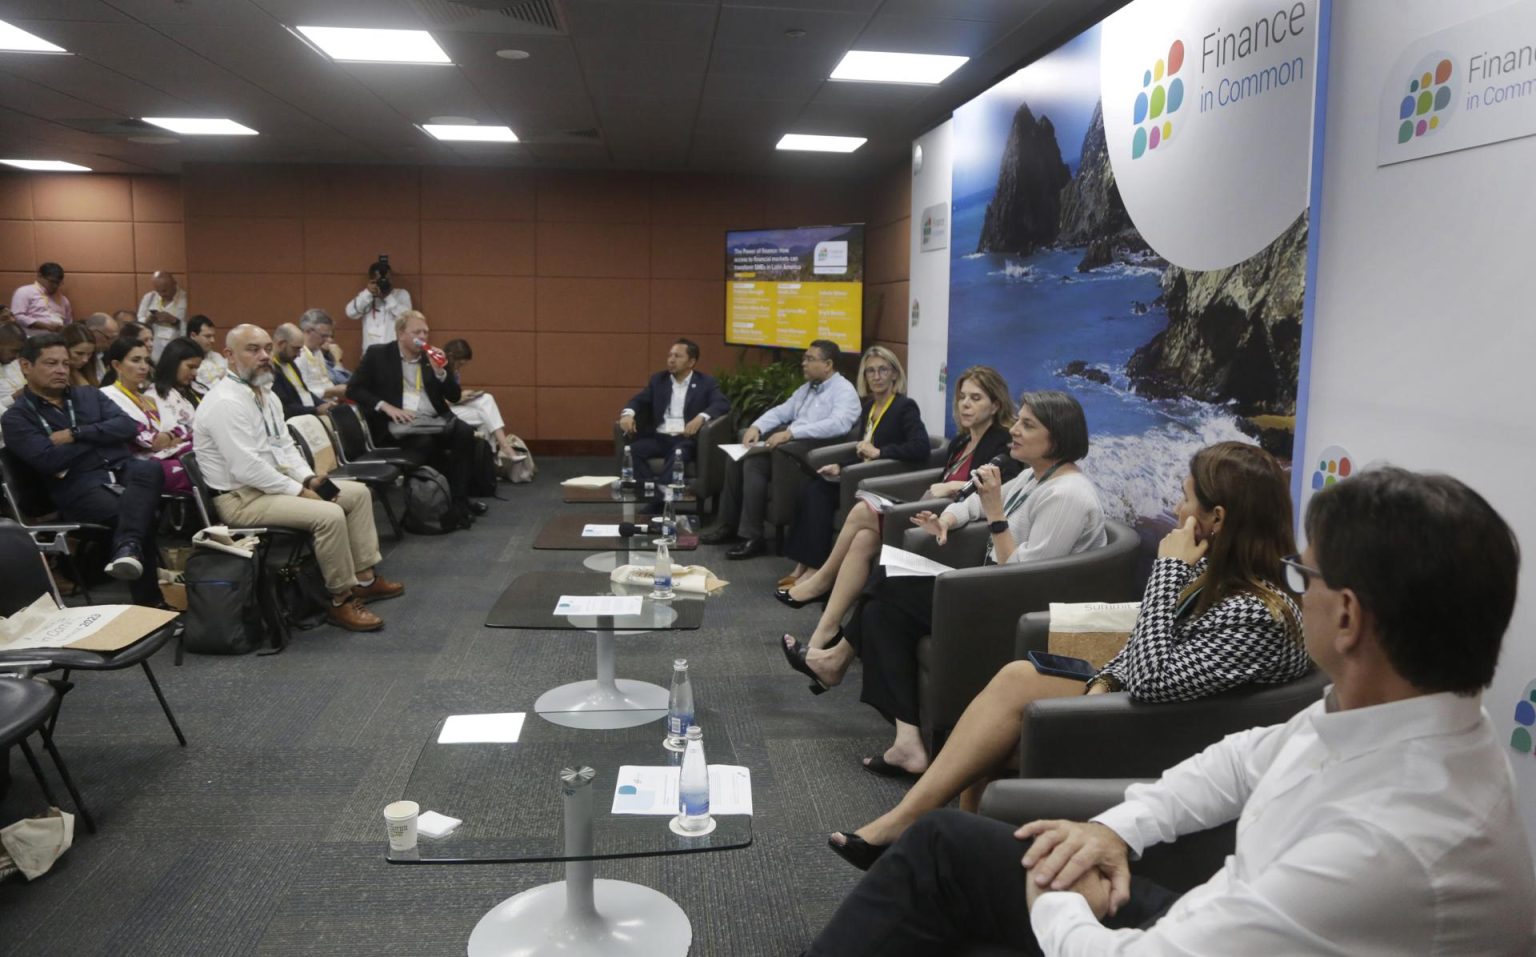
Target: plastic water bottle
x,y
661,589
679,708
668,516
693,786
627,470
679,479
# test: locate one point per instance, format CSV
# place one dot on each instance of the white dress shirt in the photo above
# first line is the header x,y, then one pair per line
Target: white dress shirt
x,y
313,370
378,315
176,306
214,368
11,379
1388,830
673,422
1061,516
243,442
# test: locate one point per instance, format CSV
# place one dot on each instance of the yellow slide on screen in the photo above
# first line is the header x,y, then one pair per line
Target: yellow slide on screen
x,y
786,287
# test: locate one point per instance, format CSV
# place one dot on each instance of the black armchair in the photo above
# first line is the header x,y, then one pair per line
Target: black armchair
x,y
791,469
706,473
976,611
854,475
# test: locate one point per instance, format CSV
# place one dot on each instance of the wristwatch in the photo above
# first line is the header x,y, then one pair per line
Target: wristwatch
x,y
998,527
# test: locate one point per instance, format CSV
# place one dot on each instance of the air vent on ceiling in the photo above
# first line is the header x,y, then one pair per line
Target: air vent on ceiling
x,y
543,15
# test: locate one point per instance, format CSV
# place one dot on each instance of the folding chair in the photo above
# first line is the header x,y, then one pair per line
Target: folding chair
x,y
313,438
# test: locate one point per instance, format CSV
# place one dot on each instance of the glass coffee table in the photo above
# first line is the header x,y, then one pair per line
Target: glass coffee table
x,y
566,533
609,494
529,603
506,796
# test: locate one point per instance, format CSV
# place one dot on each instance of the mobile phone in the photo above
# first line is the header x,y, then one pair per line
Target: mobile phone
x,y
327,490
1062,666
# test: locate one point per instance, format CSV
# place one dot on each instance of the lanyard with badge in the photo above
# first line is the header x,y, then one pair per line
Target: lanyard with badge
x,y
875,417
1016,500
69,407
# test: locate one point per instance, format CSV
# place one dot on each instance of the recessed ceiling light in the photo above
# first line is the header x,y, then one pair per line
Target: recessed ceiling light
x,y
513,54
18,40
48,166
820,144
471,134
454,121
194,126
370,45
869,66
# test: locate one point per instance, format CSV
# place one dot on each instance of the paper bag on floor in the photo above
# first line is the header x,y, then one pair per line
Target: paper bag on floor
x,y
32,844
688,579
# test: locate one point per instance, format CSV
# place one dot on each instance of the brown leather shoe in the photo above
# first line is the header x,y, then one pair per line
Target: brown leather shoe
x,y
378,591
352,616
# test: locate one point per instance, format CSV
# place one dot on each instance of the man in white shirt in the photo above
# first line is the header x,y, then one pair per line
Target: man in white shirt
x,y
318,329
164,311
201,330
1380,820
258,477
825,408
379,305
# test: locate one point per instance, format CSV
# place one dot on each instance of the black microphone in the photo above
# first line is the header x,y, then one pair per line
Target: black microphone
x,y
1006,463
630,529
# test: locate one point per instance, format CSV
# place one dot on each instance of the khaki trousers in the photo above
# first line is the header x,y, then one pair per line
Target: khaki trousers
x,y
345,539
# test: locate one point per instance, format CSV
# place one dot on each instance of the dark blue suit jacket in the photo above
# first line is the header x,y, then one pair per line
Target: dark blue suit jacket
x,y
650,404
105,439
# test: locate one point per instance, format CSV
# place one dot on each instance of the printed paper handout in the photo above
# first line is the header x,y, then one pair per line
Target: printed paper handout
x,y
650,790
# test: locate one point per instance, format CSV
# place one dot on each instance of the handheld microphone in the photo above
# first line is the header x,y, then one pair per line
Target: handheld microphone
x,y
630,529
1009,466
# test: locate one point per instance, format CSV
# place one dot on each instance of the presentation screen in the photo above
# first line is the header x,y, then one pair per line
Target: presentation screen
x,y
786,287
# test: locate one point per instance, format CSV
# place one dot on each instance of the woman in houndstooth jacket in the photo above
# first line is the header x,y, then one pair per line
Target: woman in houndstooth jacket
x,y
1215,616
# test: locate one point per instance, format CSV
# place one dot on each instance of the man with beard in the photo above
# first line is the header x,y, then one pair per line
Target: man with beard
x,y
258,477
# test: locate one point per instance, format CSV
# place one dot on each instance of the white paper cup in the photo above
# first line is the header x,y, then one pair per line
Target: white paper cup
x,y
400,819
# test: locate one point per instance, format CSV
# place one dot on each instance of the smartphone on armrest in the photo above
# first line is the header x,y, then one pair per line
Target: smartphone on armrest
x,y
1062,666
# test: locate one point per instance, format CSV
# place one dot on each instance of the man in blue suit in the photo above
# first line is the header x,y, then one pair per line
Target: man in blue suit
x,y
663,418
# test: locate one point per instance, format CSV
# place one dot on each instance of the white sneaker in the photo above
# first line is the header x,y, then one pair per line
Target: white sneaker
x,y
125,565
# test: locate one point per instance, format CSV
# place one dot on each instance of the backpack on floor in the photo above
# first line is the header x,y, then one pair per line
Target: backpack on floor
x,y
301,593
224,614
427,501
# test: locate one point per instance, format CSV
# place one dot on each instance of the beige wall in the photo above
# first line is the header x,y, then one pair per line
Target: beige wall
x,y
569,285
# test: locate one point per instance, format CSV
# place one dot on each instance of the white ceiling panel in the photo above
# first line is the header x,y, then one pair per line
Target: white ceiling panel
x,y
641,21
997,11
15,11
766,25
843,6
930,35
385,14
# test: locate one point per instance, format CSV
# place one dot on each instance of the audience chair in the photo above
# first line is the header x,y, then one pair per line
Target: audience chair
x,y
28,707
791,469
355,445
976,610
706,473
314,440
853,476
27,499
27,577
1077,755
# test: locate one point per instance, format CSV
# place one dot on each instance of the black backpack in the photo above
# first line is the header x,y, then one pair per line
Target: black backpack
x,y
224,608
427,501
482,471
301,592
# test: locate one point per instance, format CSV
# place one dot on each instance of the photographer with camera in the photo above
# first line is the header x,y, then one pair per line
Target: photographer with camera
x,y
379,305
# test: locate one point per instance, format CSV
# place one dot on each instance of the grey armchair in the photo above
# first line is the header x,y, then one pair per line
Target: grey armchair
x,y
853,476
706,473
791,469
1067,743
976,611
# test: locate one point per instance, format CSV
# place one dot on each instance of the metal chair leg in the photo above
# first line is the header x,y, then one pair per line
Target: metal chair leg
x,y
75,573
54,720
37,772
69,782
150,674
382,495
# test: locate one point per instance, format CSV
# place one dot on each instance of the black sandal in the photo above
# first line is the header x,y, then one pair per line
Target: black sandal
x,y
782,594
879,765
795,655
857,851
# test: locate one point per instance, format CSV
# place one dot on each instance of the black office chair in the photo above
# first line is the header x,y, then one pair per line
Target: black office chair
x,y
27,577
354,444
28,706
27,499
321,455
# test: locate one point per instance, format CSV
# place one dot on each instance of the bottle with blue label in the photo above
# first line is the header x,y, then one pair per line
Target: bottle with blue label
x,y
661,589
668,516
693,786
627,469
679,479
679,707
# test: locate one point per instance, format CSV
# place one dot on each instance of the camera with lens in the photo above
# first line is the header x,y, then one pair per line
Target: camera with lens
x,y
380,272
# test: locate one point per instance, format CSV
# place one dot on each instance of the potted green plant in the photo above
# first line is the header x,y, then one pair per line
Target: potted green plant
x,y
754,389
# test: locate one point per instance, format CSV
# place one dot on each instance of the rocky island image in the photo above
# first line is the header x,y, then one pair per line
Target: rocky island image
x,y
1051,282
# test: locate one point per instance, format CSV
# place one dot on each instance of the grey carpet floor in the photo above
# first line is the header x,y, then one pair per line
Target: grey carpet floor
x,y
264,835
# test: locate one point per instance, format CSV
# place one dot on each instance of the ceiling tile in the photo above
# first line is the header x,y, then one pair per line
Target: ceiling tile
x,y
930,35
766,25
642,21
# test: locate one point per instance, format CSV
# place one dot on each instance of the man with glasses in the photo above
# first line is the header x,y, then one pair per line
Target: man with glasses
x,y
824,408
663,418
1380,820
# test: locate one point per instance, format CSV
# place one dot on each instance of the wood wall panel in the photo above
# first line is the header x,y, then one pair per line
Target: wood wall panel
x,y
460,193
72,196
593,305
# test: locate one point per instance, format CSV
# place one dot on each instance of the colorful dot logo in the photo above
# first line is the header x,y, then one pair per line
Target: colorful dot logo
x,y
1525,719
1330,471
1428,99
1161,96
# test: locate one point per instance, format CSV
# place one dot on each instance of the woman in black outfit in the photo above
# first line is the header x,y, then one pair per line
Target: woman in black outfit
x,y
889,427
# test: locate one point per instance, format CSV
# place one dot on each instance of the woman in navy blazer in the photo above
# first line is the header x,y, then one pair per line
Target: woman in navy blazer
x,y
890,427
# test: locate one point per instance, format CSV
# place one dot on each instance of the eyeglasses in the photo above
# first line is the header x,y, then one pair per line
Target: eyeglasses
x,y
879,372
810,357
1297,575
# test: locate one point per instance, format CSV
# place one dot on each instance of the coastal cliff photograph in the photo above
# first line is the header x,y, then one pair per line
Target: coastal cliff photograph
x,y
1051,282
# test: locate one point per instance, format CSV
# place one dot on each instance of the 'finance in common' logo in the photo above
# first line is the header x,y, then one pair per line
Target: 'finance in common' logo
x,y
1429,99
1162,93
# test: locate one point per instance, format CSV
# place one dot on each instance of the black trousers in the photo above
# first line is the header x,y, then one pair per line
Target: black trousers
x,y
810,537
673,448
744,501
892,616
953,880
131,515
451,452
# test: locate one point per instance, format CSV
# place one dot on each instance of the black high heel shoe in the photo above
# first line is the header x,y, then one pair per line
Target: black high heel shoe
x,y
857,851
782,594
795,655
